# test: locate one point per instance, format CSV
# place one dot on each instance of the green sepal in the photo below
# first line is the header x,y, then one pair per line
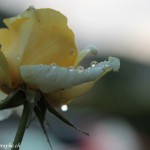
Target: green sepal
x,y
31,99
22,126
40,111
14,99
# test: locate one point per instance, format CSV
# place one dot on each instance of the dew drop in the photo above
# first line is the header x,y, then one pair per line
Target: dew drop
x,y
71,68
106,65
64,107
53,65
93,63
80,69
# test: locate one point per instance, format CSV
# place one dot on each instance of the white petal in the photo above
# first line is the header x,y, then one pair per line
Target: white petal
x,y
48,78
4,114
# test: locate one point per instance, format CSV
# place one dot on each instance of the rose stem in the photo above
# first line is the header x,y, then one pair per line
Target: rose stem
x,y
22,126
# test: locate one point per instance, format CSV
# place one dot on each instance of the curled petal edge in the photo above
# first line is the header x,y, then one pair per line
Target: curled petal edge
x,y
50,78
82,54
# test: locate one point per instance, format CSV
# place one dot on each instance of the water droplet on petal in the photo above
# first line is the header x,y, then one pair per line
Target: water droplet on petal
x,y
80,69
106,65
64,107
93,63
53,65
71,68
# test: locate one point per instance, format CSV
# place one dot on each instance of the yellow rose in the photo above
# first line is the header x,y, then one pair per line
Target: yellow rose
x,y
38,50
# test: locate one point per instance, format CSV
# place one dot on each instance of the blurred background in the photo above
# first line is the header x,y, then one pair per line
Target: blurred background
x,y
116,112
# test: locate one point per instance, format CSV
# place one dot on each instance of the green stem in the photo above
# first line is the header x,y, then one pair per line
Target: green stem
x,y
22,127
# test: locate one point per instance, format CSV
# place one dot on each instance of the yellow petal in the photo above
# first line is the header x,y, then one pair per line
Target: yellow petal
x,y
61,97
37,36
14,40
4,71
51,40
